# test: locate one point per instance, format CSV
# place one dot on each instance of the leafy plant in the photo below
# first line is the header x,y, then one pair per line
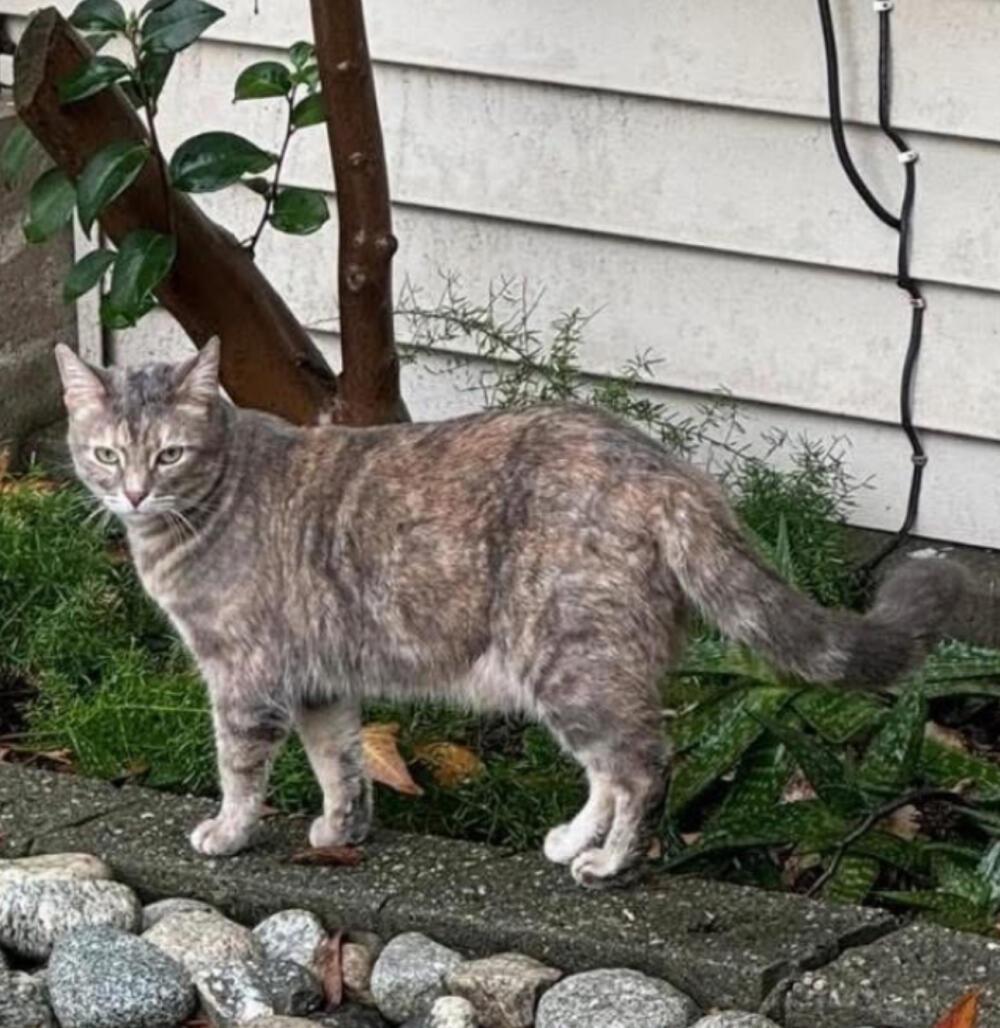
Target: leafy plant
x,y
207,162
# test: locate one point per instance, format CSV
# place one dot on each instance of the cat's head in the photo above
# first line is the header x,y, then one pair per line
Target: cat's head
x,y
145,440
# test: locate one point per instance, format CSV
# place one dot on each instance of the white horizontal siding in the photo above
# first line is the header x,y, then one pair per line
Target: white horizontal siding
x,y
670,165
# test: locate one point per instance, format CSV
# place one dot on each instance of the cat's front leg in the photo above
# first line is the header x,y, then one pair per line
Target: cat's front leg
x,y
331,735
248,733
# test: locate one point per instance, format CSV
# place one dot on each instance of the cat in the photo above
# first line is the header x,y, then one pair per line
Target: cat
x,y
541,561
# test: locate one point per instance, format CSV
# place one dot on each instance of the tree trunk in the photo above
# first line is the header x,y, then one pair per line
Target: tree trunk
x,y
268,360
369,384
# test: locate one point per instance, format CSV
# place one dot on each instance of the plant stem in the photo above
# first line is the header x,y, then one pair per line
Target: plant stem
x,y
870,820
272,193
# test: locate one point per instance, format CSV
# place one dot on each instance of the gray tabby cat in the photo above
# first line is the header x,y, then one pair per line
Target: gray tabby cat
x,y
540,561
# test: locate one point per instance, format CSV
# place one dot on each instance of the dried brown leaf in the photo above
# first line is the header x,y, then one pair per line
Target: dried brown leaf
x,y
330,967
965,1013
450,764
5,461
904,822
329,856
946,737
384,762
797,789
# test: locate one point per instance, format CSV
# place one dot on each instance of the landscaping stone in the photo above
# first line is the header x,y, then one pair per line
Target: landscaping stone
x,y
504,989
293,989
101,977
34,912
907,980
356,963
618,998
202,940
452,1012
292,935
23,1003
409,975
233,993
33,803
153,913
55,865
734,1019
350,1016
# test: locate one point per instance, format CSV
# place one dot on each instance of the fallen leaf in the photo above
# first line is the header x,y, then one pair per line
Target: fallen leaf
x,y
330,968
5,752
797,789
329,856
904,822
965,1013
62,758
947,737
384,762
5,459
450,764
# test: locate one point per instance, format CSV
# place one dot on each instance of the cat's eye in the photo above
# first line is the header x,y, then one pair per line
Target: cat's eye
x,y
105,455
171,455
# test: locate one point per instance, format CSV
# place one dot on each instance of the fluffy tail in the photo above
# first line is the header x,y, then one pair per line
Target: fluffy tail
x,y
737,591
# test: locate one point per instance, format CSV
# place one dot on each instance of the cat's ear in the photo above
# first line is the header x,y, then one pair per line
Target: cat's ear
x,y
83,386
197,380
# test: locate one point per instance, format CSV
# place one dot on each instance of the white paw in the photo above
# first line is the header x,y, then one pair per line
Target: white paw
x,y
323,832
594,867
218,838
562,845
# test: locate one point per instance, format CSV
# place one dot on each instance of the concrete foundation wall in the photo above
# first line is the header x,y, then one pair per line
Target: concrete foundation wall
x,y
33,319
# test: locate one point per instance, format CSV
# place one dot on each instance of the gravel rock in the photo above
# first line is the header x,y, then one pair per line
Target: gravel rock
x,y
202,940
291,935
617,998
351,1016
82,866
34,911
233,993
101,977
409,975
153,913
735,1019
452,1012
504,989
294,989
356,963
23,1003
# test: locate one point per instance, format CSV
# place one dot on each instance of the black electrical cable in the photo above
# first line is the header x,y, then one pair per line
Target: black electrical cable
x,y
903,225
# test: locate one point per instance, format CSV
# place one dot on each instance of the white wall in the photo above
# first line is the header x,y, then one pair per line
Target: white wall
x,y
669,163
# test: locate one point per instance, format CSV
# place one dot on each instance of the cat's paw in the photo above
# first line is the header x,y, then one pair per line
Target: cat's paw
x,y
345,831
562,844
596,869
217,837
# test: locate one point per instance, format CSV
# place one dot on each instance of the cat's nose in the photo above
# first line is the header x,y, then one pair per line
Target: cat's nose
x,y
136,496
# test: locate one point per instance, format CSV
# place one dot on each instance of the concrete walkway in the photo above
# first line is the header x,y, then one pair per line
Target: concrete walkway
x,y
806,964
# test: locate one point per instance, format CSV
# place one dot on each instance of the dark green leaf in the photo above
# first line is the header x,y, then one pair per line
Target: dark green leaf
x,y
86,273
153,70
944,908
760,780
310,111
724,743
264,79
853,880
99,40
144,259
98,16
107,175
839,716
823,769
111,317
215,160
301,53
16,154
809,825
910,855
299,211
169,28
50,206
307,76
891,759
941,765
97,74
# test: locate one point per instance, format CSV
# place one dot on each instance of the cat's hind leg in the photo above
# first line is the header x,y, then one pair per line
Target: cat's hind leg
x,y
331,735
248,734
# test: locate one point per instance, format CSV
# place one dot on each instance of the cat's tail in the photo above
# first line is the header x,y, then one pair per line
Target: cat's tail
x,y
736,590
